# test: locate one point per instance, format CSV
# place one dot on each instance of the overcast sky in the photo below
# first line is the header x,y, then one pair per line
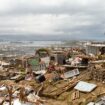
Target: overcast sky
x,y
76,18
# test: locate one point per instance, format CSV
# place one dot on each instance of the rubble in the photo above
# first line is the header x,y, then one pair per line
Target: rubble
x,y
98,75
65,77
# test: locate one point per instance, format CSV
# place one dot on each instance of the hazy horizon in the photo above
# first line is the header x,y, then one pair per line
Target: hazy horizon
x,y
46,38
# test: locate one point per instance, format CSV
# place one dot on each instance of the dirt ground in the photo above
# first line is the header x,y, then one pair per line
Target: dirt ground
x,y
55,102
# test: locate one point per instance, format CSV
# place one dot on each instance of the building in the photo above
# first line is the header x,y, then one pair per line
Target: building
x,y
95,48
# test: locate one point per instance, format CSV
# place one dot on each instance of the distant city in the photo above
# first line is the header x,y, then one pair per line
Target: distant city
x,y
27,44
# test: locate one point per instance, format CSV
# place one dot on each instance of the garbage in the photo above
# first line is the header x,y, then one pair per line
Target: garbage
x,y
2,88
85,87
56,77
71,73
35,99
41,72
100,102
91,103
98,74
18,102
75,95
40,78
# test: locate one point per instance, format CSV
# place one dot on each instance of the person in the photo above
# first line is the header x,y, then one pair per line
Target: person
x,y
51,66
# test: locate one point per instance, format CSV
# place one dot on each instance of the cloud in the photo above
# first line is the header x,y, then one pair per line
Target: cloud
x,y
50,6
53,17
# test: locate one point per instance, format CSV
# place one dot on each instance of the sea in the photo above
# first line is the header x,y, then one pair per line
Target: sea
x,y
8,48
32,43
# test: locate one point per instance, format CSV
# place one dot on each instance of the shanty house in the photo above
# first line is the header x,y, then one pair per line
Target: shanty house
x,y
95,48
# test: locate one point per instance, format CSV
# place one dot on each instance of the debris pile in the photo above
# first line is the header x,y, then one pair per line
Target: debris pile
x,y
65,77
98,75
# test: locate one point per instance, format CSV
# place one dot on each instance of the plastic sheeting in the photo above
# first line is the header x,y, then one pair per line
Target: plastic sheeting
x,y
84,86
91,103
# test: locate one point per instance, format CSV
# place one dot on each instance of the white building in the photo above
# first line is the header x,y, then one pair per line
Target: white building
x,y
94,48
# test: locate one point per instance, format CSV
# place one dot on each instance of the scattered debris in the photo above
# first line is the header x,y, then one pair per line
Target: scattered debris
x,y
85,87
68,74
75,95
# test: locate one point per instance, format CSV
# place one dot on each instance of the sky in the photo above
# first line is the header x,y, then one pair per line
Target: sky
x,y
73,18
